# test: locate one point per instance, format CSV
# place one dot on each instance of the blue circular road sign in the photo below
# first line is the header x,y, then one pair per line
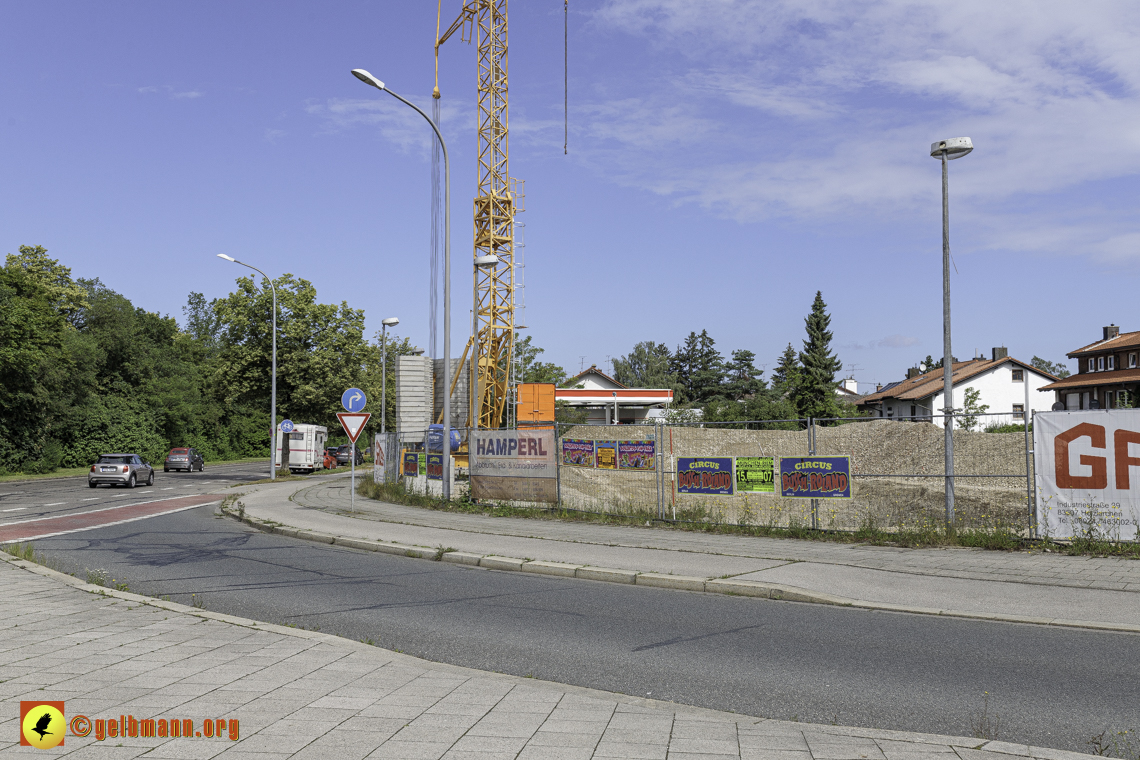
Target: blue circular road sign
x,y
287,426
353,400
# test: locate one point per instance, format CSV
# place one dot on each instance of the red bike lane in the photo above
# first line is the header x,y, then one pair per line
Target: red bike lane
x,y
98,518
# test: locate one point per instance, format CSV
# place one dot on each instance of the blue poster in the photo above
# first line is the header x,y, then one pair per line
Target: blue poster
x,y
815,477
435,466
708,475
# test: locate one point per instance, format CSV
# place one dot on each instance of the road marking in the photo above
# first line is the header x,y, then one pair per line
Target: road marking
x,y
44,527
56,504
93,498
168,488
13,509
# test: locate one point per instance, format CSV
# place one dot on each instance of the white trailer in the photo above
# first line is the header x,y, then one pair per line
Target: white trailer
x,y
306,448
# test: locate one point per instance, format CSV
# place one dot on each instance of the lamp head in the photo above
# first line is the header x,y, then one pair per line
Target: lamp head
x,y
391,322
367,78
955,147
227,258
489,260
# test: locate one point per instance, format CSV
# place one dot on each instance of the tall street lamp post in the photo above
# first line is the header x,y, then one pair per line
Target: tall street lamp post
x,y
273,394
948,150
368,79
389,322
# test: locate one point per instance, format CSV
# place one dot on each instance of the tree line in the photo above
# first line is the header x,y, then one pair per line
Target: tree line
x,y
83,371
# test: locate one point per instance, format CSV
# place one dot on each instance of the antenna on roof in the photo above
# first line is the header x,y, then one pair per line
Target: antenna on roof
x,y
582,363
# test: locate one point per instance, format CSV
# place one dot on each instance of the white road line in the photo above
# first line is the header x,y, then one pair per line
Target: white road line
x,y
13,509
93,498
56,504
169,488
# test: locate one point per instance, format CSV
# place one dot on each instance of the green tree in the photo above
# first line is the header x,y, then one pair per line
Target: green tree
x,y
814,393
67,296
320,350
1057,370
646,366
743,379
967,416
787,373
528,369
699,368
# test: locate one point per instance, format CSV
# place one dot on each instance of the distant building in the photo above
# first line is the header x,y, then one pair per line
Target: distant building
x,y
610,402
848,390
1108,372
1000,382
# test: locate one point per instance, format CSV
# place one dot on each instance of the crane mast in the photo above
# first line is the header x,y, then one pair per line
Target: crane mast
x,y
495,206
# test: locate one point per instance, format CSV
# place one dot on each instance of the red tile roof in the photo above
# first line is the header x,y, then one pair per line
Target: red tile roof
x,y
1095,379
931,382
1124,340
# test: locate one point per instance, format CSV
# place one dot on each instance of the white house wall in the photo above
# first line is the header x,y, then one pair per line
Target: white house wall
x,y
997,389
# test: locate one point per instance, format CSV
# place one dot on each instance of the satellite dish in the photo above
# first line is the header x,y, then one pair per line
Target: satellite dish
x,y
1058,406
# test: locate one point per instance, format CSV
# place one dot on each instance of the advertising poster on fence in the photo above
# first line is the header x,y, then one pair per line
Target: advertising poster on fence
x,y
435,466
513,465
607,455
378,459
411,463
755,474
815,477
1087,467
577,453
637,455
711,476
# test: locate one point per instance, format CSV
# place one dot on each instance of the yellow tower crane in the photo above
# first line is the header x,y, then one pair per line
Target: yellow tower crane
x,y
496,203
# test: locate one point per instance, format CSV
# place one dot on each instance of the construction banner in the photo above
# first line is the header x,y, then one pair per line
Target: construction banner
x,y
637,455
513,465
435,466
1087,468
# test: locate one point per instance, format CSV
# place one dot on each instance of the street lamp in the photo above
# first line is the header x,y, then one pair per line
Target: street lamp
x,y
389,322
948,150
273,395
368,79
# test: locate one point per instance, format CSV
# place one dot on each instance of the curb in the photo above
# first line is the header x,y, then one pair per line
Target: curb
x,y
728,586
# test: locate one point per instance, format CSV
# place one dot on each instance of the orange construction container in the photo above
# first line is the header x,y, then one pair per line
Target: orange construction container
x,y
536,405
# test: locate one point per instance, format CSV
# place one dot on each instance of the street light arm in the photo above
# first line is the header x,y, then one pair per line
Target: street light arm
x,y
426,118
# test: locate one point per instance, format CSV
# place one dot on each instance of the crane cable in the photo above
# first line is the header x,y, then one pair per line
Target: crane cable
x,y
565,76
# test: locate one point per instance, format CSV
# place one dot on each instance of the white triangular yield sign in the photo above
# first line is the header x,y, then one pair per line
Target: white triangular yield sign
x,y
353,423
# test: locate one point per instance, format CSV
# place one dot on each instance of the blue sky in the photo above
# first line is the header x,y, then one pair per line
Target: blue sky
x,y
728,158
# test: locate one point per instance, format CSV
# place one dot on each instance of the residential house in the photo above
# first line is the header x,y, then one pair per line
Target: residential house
x,y
1108,373
1000,382
610,402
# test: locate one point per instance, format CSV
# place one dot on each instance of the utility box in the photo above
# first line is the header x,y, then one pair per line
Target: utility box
x,y
536,406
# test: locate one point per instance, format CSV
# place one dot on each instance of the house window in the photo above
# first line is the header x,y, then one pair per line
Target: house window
x,y
1092,364
1019,411
1018,375
913,410
1132,361
1100,364
1112,362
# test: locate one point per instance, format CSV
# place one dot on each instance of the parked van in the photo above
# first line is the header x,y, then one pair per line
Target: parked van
x,y
306,448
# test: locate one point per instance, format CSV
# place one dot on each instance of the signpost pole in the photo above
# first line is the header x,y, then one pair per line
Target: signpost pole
x,y
352,508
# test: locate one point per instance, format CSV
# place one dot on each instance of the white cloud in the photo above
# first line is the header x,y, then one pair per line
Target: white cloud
x,y
890,341
395,121
171,92
823,110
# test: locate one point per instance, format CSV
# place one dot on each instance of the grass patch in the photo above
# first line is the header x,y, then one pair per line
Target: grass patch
x,y
28,553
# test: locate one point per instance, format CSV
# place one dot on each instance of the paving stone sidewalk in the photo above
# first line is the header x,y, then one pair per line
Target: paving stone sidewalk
x,y
304,694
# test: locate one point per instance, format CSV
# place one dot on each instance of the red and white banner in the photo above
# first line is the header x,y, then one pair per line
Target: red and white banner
x,y
1088,473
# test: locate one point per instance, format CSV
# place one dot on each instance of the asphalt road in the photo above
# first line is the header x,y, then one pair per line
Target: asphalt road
x,y
1049,687
54,497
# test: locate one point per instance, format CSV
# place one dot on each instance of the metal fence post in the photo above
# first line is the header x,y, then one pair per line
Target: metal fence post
x,y
557,467
811,452
1031,501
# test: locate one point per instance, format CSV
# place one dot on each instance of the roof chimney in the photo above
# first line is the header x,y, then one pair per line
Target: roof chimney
x,y
912,372
1111,332
878,387
999,352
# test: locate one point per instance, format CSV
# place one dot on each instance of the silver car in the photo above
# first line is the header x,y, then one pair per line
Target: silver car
x,y
120,470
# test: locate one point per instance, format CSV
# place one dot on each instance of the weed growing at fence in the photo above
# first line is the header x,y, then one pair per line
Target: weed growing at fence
x,y
990,533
